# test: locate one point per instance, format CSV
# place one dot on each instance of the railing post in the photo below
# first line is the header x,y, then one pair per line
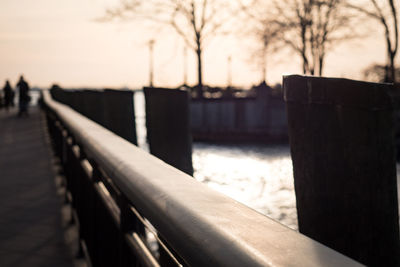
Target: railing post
x,y
342,146
57,138
129,224
85,214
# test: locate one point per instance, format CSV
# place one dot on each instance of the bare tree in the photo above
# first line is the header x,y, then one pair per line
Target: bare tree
x,y
195,21
384,12
263,28
309,27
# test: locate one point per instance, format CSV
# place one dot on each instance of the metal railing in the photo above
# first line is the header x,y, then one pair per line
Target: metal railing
x,y
117,190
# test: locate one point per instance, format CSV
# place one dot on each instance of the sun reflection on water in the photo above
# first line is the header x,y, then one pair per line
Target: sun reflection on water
x,y
260,177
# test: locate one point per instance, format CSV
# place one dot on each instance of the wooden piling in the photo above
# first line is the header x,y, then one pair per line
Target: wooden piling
x,y
343,152
119,113
168,127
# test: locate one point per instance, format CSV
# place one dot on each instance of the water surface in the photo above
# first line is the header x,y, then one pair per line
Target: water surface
x,y
260,177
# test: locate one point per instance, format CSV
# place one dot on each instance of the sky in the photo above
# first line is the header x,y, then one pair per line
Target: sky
x,y
60,41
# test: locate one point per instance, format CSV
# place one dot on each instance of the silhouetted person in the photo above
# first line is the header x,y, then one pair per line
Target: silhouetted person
x,y
24,97
1,101
12,97
8,95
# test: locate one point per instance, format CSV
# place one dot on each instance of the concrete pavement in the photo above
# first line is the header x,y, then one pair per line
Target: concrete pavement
x,y
31,233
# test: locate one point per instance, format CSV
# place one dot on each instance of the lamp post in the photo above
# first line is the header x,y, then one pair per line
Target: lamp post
x,y
151,65
185,66
229,78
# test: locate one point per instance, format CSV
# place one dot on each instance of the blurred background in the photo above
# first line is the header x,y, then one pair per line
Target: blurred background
x,y
220,43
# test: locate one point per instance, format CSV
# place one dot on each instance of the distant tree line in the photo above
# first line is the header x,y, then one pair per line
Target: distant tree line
x,y
310,28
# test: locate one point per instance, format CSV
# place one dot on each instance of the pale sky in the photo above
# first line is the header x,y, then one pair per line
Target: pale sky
x,y
58,41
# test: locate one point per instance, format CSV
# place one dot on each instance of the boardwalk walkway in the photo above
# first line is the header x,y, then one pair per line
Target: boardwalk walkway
x,y
30,223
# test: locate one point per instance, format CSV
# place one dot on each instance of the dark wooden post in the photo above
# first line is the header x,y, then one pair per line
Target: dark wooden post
x,y
75,98
56,94
84,103
342,146
94,105
119,113
78,102
168,127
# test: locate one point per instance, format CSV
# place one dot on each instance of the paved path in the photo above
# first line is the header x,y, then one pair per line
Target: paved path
x,y
30,223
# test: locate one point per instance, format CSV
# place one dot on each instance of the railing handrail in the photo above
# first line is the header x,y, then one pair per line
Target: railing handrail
x,y
203,226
